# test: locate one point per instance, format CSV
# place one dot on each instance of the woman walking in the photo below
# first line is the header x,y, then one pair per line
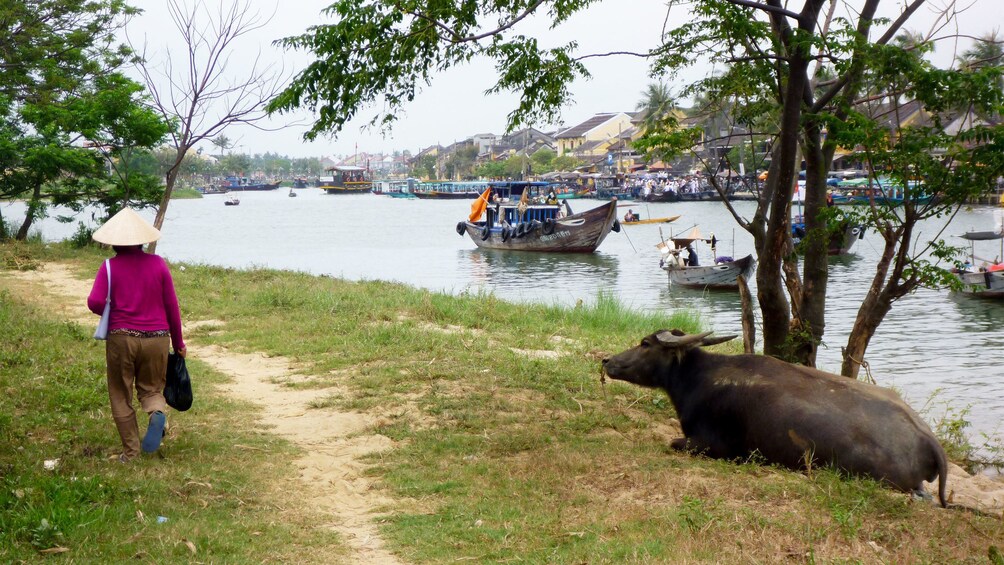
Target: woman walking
x,y
144,322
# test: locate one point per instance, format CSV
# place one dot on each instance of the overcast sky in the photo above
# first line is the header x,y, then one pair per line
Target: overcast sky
x,y
455,106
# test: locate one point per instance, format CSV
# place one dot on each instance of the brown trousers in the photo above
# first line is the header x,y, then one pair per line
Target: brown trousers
x,y
138,363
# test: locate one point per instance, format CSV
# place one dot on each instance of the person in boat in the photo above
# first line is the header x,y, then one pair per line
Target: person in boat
x,y
691,257
630,216
552,199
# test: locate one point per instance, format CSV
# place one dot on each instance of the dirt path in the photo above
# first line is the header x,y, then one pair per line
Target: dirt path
x,y
331,472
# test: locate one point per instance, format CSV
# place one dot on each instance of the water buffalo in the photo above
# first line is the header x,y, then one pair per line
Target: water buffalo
x,y
731,406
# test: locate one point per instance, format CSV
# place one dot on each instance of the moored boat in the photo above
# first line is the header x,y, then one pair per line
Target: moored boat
x,y
346,179
518,220
987,280
841,240
245,183
687,272
450,190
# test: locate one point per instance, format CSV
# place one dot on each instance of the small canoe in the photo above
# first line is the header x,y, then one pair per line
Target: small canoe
x,y
652,221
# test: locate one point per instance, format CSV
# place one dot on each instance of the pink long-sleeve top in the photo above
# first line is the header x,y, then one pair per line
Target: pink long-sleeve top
x,y
143,295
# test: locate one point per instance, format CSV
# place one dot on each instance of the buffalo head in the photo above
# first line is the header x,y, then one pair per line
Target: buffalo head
x,y
647,363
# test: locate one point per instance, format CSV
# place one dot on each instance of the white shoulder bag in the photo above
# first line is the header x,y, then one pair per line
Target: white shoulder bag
x,y
102,331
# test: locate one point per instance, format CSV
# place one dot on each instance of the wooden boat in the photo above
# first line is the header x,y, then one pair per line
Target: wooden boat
x,y
346,179
291,193
987,280
518,223
232,201
665,220
722,274
841,240
450,190
244,183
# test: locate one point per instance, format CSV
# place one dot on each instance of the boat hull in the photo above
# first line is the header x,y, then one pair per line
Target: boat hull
x,y
577,233
841,241
665,220
444,195
722,275
985,284
348,189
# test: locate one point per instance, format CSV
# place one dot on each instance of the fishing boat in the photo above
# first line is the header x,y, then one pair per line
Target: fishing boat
x,y
245,183
231,201
685,271
640,222
291,193
517,218
450,190
346,179
987,280
841,240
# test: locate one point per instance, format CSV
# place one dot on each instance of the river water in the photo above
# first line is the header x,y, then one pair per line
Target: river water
x,y
932,343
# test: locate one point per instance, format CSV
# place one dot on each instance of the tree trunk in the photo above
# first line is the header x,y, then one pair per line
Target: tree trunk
x,y
811,316
169,180
770,288
34,205
749,327
874,307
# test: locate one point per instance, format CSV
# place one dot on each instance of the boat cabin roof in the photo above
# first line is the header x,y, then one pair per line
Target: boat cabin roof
x,y
515,189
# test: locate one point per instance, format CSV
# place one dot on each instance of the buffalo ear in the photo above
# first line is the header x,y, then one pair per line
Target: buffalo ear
x,y
716,340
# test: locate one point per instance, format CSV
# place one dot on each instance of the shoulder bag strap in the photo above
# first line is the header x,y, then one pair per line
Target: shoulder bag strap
x,y
108,270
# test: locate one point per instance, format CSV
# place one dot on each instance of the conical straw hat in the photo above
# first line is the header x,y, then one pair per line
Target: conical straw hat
x,y
126,228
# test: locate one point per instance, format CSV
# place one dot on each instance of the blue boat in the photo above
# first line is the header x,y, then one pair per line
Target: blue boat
x,y
244,183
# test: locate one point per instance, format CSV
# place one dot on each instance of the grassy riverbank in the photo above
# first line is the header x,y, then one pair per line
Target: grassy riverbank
x,y
506,445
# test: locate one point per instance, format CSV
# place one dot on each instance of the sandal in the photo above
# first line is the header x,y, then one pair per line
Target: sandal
x,y
154,432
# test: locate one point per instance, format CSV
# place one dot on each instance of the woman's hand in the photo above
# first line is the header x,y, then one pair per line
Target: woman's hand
x,y
183,352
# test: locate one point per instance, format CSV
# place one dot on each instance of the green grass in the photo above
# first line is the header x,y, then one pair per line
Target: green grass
x,y
499,455
54,406
185,194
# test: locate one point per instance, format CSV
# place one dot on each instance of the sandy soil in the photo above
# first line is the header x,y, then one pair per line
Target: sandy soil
x,y
331,472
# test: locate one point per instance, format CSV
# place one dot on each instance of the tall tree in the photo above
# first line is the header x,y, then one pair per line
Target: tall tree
x,y
67,116
772,52
200,95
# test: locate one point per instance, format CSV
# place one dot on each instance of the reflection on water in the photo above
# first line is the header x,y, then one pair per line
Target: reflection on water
x,y
708,303
542,277
931,339
978,315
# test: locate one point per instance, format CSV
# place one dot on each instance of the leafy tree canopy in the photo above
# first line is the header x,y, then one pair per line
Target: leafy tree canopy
x,y
379,53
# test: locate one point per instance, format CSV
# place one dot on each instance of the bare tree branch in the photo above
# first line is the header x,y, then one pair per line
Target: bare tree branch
x,y
201,98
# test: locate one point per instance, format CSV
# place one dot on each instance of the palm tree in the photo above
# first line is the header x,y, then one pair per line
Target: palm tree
x,y
657,104
988,51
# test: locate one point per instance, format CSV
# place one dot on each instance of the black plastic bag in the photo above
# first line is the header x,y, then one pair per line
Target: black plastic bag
x,y
178,390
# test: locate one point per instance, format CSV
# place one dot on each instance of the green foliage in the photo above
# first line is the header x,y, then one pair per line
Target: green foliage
x,y
379,54
60,84
82,237
491,170
565,163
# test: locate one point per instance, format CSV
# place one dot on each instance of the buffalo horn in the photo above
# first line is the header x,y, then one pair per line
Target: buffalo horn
x,y
678,338
716,340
